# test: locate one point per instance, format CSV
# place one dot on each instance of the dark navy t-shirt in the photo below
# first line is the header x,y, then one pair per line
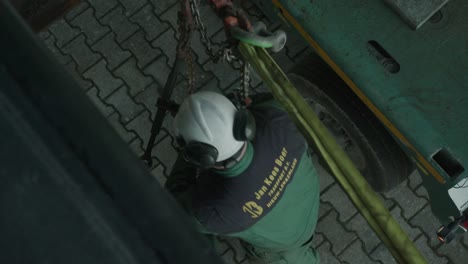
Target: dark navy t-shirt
x,y
232,204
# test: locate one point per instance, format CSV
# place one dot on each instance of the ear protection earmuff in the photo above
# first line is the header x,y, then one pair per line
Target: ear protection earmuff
x,y
244,125
200,154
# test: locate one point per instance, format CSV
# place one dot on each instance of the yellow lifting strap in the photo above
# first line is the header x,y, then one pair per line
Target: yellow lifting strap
x,y
354,184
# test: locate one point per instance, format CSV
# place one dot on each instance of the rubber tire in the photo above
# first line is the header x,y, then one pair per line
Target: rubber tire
x,y
386,165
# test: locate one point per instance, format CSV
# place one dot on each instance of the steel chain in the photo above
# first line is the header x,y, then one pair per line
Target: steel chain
x,y
200,26
184,50
245,80
224,53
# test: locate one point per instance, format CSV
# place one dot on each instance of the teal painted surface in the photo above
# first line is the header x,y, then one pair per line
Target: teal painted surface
x,y
427,100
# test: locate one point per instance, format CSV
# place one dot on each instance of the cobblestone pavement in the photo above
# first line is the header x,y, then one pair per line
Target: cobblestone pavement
x,y
120,52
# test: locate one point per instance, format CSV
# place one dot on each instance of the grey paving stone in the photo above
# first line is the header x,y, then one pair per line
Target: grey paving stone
x,y
72,69
111,51
359,225
133,77
120,24
61,58
326,254
105,82
410,230
142,50
76,10
255,80
212,86
422,192
131,6
141,125
103,7
407,199
324,209
148,97
125,135
161,6
262,88
81,53
159,70
428,223
158,174
103,108
212,22
431,256
388,203
198,48
125,105
223,72
356,254
283,60
228,257
233,87
150,23
137,146
155,164
166,153
325,178
239,251
253,10
63,32
382,254
455,251
334,232
318,240
168,44
340,202
219,37
220,245
88,24
202,77
414,180
170,15
180,92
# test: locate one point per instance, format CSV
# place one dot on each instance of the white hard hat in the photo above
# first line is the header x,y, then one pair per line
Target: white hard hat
x,y
208,117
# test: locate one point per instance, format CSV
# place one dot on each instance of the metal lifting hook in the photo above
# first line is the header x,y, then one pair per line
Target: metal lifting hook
x,y
261,37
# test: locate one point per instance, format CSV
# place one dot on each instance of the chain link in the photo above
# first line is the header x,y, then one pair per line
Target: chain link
x,y
224,53
184,50
245,80
183,44
200,26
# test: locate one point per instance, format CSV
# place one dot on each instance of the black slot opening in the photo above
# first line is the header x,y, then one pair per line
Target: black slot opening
x,y
448,163
384,58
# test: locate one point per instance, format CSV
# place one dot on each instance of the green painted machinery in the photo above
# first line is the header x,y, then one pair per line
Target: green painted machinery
x,y
409,67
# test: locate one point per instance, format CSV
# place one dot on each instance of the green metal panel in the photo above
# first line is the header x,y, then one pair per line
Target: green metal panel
x,y
427,99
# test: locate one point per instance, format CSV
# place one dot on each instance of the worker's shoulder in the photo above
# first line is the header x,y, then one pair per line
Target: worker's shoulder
x,y
265,100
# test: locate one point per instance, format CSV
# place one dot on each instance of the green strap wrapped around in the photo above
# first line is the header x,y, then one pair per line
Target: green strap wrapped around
x,y
356,187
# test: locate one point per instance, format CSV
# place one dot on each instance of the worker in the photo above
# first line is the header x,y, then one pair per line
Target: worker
x,y
247,173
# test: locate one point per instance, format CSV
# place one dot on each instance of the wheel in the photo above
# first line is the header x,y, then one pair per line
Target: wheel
x,y
370,146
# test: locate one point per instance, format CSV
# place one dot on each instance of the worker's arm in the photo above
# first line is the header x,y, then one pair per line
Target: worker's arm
x,y
181,182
